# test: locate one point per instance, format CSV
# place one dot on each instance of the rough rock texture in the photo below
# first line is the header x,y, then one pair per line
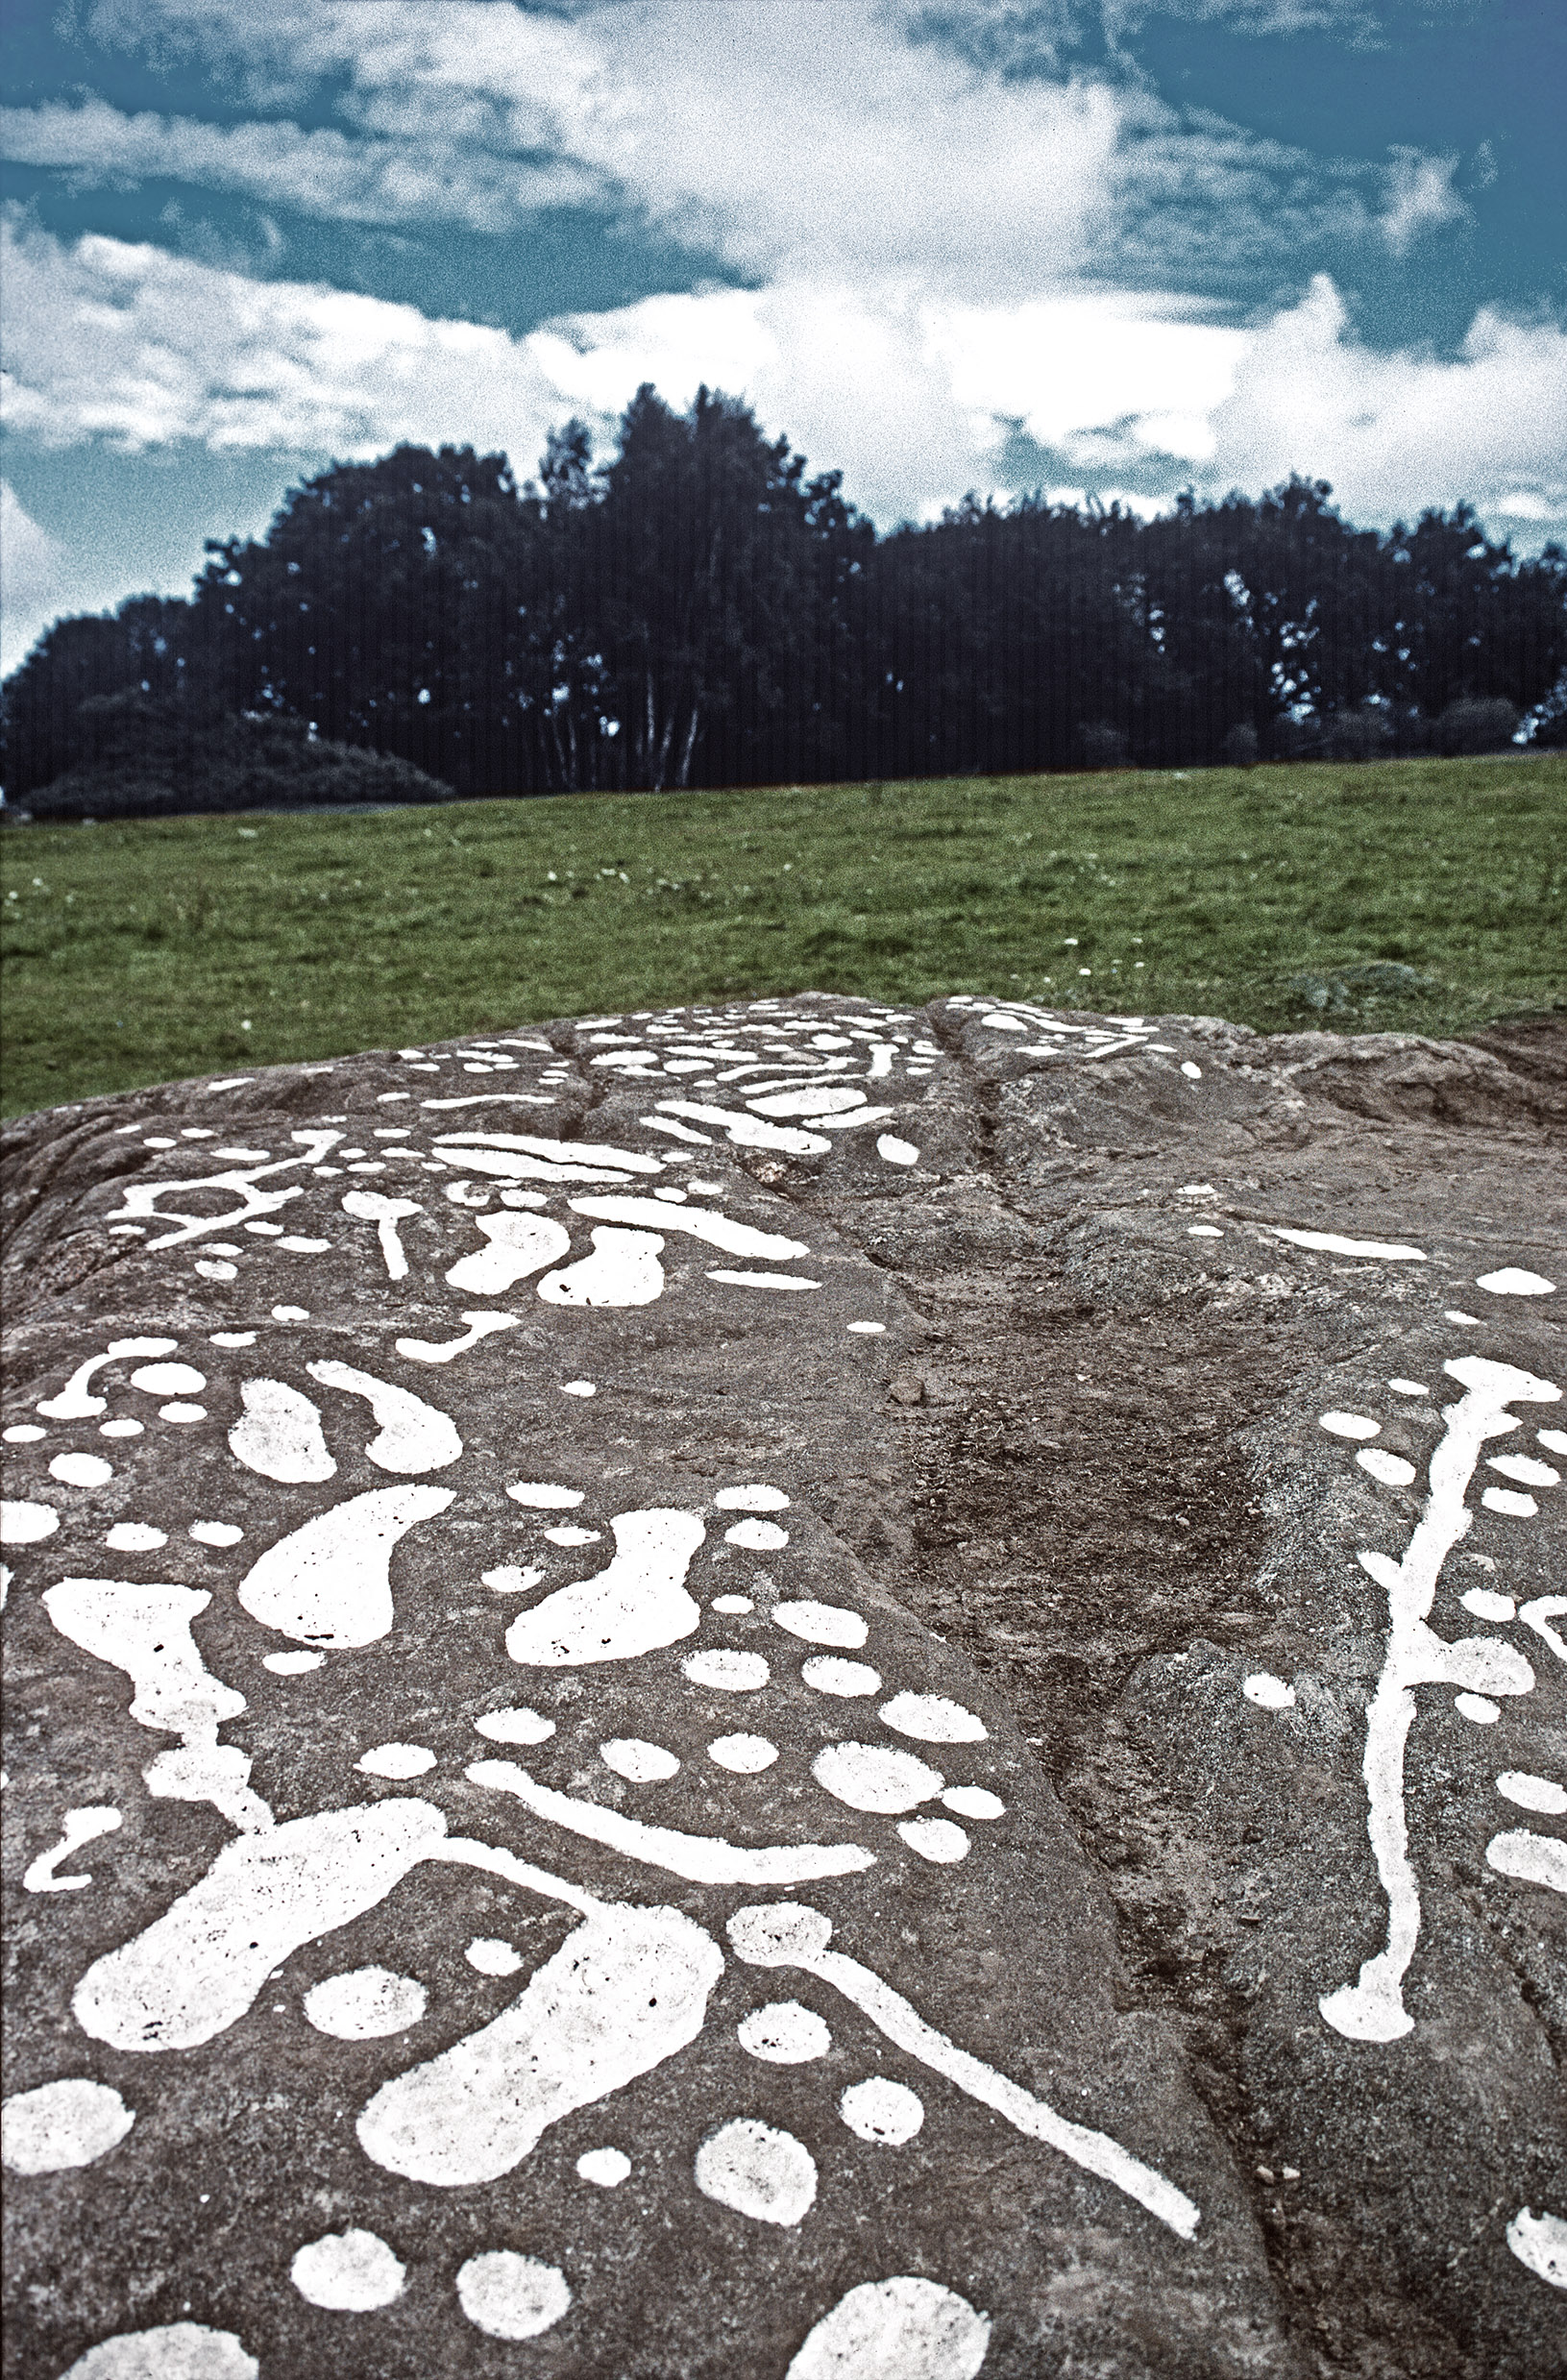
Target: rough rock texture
x,y
779,1691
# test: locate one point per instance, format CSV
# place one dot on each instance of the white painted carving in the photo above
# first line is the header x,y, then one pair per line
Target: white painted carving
x,y
720,1230
518,1245
830,1099
623,1270
278,1434
822,1623
883,2111
635,1606
1533,1793
145,1630
758,2170
73,1401
1530,1858
783,2033
936,1839
640,1763
565,1153
875,1777
1526,1469
511,2297
1391,1469
366,2003
173,2351
516,1725
848,1679
61,2124
900,2329
1372,2008
726,1672
348,2272
441,1351
78,1827
1539,2242
370,1207
197,1970
489,1955
750,1131
26,1522
933,1719
240,1179
329,1581
676,1131
92,1471
626,1990
757,1536
512,1578
413,1436
700,1859
1538,1614
400,1761
1333,1243
789,1935
745,1756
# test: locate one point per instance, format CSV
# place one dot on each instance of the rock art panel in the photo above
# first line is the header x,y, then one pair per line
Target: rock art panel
x,y
610,1737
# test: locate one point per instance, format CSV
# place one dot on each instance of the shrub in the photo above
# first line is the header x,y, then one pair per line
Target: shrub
x,y
1475,726
162,759
1365,733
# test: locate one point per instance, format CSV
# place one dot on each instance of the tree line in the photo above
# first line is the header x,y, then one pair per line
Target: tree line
x,y
696,610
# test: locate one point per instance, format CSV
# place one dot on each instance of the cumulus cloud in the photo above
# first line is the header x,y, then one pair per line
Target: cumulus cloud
x,y
140,348
1397,431
914,395
32,576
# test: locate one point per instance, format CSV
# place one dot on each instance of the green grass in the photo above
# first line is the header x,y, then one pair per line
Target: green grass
x,y
135,953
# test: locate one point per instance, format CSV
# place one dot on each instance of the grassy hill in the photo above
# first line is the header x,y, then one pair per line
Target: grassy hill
x,y
1427,896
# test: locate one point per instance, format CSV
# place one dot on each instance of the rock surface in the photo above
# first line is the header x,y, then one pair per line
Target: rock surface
x,y
792,1690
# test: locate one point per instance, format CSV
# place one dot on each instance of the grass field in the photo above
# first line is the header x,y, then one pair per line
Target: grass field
x,y
137,953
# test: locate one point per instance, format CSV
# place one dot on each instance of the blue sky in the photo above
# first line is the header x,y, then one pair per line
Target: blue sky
x,y
1109,246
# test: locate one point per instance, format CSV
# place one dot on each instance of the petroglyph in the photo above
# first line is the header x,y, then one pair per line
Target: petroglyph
x,y
505,1930
1372,2008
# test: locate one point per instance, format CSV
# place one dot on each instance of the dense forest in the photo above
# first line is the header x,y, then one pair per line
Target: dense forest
x,y
698,612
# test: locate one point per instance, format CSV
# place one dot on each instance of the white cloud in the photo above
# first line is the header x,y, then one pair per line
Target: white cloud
x,y
322,172
913,395
920,232
1420,199
803,137
140,348
1396,431
31,577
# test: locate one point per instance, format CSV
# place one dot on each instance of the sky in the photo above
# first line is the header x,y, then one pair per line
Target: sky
x,y
1094,247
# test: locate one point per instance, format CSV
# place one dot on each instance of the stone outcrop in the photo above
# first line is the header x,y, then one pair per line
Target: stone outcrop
x,y
798,1689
